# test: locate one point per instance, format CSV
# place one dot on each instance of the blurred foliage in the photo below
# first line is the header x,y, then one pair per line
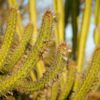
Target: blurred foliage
x,y
36,63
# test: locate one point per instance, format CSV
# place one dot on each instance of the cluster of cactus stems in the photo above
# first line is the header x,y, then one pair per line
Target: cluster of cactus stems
x,y
19,58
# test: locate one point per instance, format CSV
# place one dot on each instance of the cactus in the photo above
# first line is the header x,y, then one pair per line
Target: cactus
x,y
90,77
51,74
20,49
8,36
45,33
70,81
34,64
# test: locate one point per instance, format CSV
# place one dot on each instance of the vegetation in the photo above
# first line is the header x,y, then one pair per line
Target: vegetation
x,y
37,64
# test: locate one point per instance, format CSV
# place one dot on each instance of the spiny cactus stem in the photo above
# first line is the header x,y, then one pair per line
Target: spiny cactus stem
x,y
90,77
16,55
33,58
10,30
51,74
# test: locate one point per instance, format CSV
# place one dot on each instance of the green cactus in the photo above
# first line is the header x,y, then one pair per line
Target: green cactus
x,y
19,51
70,81
90,77
44,35
34,66
51,74
8,36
